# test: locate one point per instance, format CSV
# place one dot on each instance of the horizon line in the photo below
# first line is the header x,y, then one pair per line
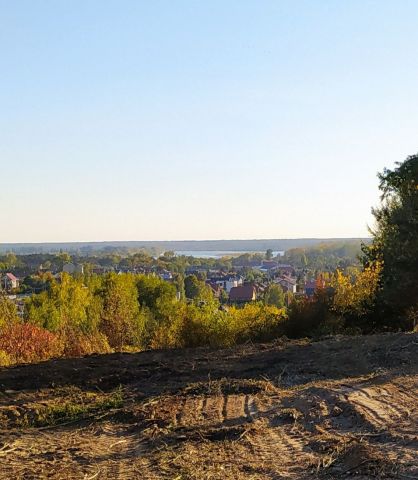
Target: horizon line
x,y
185,240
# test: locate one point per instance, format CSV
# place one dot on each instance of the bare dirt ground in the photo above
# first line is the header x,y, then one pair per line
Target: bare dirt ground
x,y
343,407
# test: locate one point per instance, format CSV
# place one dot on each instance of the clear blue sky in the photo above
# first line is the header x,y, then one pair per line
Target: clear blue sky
x,y
134,120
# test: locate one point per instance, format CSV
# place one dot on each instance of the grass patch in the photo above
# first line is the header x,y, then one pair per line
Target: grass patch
x,y
78,408
229,387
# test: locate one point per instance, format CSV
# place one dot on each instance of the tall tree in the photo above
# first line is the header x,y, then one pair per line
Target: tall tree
x,y
192,286
8,313
395,245
274,296
121,321
197,290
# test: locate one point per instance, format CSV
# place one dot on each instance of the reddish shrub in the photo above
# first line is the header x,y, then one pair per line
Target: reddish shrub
x,y
24,342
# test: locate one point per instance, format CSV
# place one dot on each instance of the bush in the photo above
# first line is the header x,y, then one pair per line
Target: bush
x,y
205,325
121,319
199,325
5,360
355,296
309,317
76,344
24,342
257,322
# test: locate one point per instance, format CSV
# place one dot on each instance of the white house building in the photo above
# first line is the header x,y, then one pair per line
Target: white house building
x,y
227,283
9,282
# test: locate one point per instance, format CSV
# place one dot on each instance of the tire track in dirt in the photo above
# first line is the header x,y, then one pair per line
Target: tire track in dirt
x,y
243,427
213,407
282,451
191,413
258,407
234,412
410,395
381,406
230,409
253,408
179,406
281,448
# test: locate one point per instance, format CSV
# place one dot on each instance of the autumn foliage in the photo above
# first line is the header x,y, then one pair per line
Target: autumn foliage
x,y
24,342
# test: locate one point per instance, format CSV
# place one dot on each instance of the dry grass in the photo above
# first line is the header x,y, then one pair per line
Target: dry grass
x,y
353,457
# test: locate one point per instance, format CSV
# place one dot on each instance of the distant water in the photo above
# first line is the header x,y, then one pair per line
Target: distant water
x,y
218,253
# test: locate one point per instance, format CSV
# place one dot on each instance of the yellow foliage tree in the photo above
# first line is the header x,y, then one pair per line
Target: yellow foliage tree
x,y
354,293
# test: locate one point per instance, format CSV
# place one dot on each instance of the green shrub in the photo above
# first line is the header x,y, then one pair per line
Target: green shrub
x,y
309,317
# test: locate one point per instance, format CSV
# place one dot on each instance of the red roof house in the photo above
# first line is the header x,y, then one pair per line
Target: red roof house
x,y
242,294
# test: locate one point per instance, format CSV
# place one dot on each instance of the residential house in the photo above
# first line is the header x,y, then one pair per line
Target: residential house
x,y
9,282
226,282
242,294
287,283
19,301
286,269
260,288
312,286
216,289
269,265
166,275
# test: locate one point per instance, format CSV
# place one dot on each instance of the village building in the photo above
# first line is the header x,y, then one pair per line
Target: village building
x,y
243,294
286,269
269,265
216,289
312,286
166,275
226,282
9,282
287,283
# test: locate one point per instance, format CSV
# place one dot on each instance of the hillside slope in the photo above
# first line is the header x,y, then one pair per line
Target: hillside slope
x,y
340,407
